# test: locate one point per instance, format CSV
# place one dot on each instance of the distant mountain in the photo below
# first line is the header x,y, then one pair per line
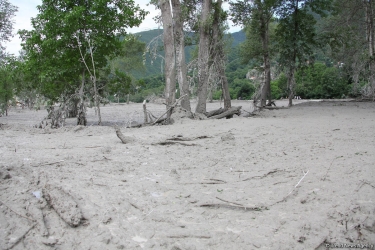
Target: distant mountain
x,y
154,64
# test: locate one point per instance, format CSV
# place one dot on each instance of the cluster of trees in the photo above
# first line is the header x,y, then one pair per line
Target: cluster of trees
x,y
79,52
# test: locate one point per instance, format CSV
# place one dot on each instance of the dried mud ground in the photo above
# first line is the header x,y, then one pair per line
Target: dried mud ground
x,y
297,178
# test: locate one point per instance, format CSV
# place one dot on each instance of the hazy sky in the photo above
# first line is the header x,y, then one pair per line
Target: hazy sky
x,y
27,9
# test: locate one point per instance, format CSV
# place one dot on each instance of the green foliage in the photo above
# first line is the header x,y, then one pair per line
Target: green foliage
x,y
7,12
295,32
9,76
320,81
246,91
63,33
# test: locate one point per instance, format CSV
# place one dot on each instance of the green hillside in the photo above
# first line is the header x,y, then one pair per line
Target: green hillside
x,y
154,64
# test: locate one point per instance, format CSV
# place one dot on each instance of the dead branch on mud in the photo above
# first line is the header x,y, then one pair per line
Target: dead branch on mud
x,y
120,135
170,109
324,178
228,113
180,138
236,207
21,237
31,219
284,199
46,164
164,143
184,236
363,182
261,177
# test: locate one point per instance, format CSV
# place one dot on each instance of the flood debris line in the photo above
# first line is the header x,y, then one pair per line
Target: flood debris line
x,y
64,205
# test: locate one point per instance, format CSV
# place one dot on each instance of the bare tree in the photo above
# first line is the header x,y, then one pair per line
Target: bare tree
x,y
169,71
179,38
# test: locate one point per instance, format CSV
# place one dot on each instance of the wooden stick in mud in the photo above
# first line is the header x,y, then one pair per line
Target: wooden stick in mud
x,y
120,135
145,112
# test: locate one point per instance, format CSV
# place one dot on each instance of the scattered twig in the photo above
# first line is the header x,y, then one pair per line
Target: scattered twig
x,y
363,182
234,207
294,187
230,202
21,237
189,236
31,219
188,139
48,163
163,143
260,177
324,178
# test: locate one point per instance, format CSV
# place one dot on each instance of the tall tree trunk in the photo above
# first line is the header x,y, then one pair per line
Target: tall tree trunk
x,y
219,58
292,67
371,42
203,57
291,83
96,99
180,54
81,117
266,90
169,69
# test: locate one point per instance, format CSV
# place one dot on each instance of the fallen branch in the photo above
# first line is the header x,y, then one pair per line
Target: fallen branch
x,y
187,139
214,112
170,108
218,205
231,111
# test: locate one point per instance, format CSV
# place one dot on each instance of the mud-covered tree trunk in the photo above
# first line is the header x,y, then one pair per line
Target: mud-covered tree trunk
x,y
169,69
180,54
203,57
81,117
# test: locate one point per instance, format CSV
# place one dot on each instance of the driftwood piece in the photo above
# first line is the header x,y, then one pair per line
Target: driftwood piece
x,y
214,112
227,113
64,205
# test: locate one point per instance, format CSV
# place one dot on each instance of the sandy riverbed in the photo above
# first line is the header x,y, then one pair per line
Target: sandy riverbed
x,y
233,185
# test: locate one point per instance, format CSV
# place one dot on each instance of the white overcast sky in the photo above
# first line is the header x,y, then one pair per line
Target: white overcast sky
x,y
27,9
